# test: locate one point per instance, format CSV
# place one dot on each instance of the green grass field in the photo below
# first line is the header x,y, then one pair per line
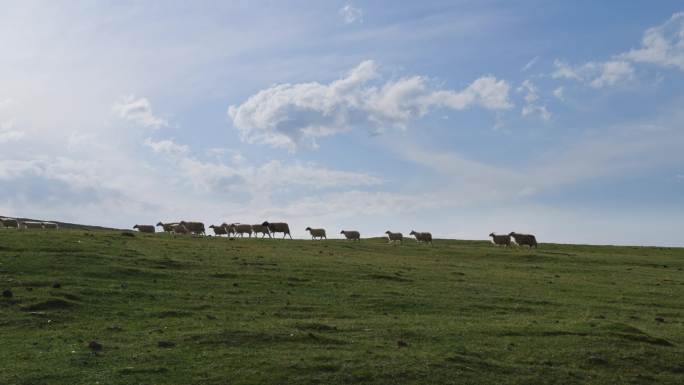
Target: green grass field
x,y
217,311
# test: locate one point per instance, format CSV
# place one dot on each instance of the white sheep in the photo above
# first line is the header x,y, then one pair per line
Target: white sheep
x,y
32,225
10,222
422,237
524,239
263,230
499,240
149,229
242,229
278,227
219,230
180,229
316,233
168,227
194,227
351,235
394,237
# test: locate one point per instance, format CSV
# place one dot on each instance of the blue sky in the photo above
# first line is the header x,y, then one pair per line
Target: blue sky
x,y
461,118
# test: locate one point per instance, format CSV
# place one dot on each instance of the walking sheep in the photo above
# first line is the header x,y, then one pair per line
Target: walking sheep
x,y
261,229
524,239
168,227
145,228
278,227
229,229
422,237
194,227
238,228
180,229
316,233
499,240
219,230
31,225
10,222
351,235
394,237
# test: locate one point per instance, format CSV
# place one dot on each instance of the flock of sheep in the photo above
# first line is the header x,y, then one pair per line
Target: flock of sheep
x,y
270,229
14,223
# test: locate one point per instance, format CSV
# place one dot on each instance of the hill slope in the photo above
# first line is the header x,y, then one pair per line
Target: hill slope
x,y
214,311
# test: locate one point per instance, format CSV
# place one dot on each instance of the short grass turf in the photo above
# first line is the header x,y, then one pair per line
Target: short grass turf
x,y
216,311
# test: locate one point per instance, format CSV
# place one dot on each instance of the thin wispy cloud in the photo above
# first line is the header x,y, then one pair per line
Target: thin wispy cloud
x,y
530,64
350,14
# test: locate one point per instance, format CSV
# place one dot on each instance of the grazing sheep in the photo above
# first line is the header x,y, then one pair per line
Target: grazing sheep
x,y
501,239
351,235
168,227
278,227
50,225
422,237
145,228
10,222
219,230
394,237
242,229
31,225
261,229
194,227
524,239
316,233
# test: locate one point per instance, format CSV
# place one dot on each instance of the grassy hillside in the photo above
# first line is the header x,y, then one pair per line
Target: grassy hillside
x,y
216,311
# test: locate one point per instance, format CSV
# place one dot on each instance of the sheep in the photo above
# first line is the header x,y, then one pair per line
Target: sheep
x,y
10,222
278,227
219,230
261,229
394,237
229,229
145,228
524,239
422,237
320,233
351,235
50,225
31,225
194,227
501,239
239,228
168,227
180,229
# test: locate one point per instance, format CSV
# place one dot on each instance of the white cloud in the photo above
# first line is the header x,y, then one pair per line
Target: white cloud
x,y
138,110
662,45
166,146
564,70
541,111
216,176
531,97
610,73
559,93
292,115
530,63
595,74
350,14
